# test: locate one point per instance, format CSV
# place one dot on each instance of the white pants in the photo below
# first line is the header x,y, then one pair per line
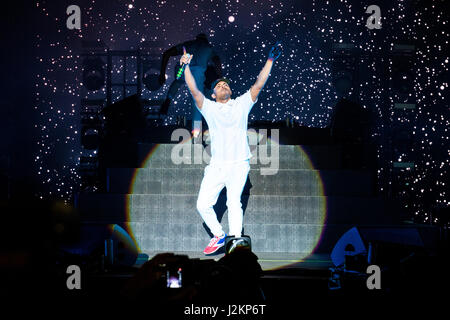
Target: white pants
x,y
233,177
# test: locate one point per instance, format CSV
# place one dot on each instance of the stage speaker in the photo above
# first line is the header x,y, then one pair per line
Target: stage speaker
x,y
386,244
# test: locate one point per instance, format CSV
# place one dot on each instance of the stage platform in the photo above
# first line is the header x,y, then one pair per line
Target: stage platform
x,y
269,261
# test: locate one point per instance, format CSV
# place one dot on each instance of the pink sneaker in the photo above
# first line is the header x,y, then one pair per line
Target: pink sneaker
x,y
215,244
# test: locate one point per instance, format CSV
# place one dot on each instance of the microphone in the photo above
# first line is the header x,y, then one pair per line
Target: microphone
x,y
181,70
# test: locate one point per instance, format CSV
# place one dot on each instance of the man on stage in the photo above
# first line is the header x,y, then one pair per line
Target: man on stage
x,y
229,166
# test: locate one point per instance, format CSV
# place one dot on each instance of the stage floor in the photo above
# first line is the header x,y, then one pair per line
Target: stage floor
x,y
271,260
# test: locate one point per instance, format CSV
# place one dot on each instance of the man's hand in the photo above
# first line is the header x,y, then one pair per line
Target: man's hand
x,y
186,57
190,81
275,51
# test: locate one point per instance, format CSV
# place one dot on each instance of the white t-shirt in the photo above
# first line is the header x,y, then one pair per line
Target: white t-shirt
x,y
227,123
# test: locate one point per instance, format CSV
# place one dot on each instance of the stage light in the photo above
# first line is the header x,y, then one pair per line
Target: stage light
x,y
231,19
350,243
93,73
232,243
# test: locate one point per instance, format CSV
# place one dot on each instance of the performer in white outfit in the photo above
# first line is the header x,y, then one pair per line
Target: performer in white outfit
x,y
229,166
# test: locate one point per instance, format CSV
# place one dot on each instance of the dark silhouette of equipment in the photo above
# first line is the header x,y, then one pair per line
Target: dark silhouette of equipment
x,y
349,122
384,246
400,252
124,116
151,81
92,123
103,246
350,127
93,73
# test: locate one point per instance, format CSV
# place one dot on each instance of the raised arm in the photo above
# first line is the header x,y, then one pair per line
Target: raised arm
x,y
274,53
190,81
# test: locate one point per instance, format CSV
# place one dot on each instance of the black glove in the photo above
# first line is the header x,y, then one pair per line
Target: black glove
x,y
275,51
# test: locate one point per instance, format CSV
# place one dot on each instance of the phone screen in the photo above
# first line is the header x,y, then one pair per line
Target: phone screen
x,y
174,278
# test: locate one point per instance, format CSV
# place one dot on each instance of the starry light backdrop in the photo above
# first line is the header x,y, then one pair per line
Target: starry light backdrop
x,y
300,86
